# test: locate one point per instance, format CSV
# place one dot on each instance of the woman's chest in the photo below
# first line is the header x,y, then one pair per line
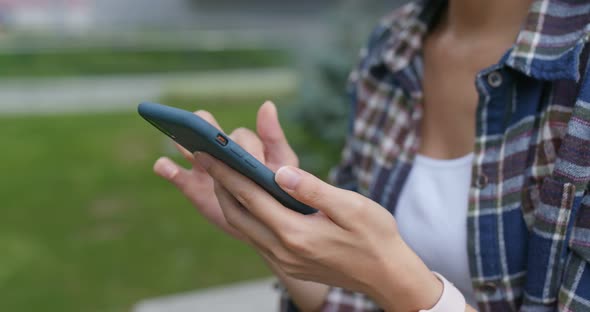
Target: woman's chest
x,y
518,125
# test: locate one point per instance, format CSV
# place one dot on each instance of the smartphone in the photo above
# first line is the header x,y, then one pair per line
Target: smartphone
x,y
197,135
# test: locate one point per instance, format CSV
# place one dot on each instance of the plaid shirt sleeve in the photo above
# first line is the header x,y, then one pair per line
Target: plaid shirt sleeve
x,y
573,170
561,232
574,292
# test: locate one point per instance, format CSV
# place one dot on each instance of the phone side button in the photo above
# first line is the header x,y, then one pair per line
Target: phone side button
x,y
238,152
251,162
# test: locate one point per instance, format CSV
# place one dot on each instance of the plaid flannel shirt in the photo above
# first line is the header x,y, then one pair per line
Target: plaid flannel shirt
x,y
529,205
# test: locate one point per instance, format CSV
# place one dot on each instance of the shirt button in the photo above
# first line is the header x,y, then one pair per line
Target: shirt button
x,y
488,288
481,181
495,79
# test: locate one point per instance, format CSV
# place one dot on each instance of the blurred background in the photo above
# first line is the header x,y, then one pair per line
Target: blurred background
x,y
84,223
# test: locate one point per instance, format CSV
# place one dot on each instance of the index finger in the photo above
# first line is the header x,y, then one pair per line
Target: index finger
x,y
276,148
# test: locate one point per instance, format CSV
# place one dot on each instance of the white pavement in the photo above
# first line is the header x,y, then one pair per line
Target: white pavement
x,y
124,92
253,296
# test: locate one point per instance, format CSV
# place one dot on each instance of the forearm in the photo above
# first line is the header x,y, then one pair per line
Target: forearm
x,y
407,285
308,296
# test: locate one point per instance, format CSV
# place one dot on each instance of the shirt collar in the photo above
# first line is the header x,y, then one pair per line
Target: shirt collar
x,y
548,46
406,30
553,35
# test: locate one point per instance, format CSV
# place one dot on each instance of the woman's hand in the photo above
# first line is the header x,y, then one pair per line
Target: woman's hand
x,y
196,184
352,242
271,148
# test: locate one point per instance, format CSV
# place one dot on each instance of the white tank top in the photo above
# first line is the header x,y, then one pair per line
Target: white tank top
x,y
432,217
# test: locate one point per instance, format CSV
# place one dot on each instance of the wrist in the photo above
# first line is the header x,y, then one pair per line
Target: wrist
x,y
308,296
406,284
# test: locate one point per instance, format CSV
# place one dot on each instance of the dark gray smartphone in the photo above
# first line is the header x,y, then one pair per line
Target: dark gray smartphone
x,y
197,135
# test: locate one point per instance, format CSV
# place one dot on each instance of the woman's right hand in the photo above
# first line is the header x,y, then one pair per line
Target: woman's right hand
x,y
270,147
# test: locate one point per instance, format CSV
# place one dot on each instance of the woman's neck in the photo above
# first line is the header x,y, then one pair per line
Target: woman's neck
x,y
477,17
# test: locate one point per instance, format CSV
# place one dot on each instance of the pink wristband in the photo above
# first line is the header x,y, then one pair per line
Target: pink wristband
x,y
451,300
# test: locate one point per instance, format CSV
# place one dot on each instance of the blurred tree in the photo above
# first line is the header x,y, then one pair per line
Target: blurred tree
x,y
324,106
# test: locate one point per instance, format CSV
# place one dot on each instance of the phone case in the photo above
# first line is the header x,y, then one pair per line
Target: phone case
x,y
196,134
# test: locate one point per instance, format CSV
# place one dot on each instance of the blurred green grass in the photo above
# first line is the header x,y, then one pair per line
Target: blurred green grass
x,y
121,61
86,226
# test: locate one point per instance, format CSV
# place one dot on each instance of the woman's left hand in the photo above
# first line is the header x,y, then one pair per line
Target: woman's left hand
x,y
352,242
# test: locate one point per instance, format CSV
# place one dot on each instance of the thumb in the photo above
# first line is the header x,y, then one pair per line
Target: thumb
x,y
339,205
277,150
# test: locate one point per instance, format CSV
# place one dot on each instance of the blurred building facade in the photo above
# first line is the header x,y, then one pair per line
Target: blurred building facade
x,y
46,15
73,16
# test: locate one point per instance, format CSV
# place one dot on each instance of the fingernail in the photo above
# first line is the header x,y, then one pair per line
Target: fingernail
x,y
288,177
204,160
166,168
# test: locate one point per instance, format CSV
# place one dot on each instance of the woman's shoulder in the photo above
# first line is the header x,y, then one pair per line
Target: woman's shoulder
x,y
394,23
